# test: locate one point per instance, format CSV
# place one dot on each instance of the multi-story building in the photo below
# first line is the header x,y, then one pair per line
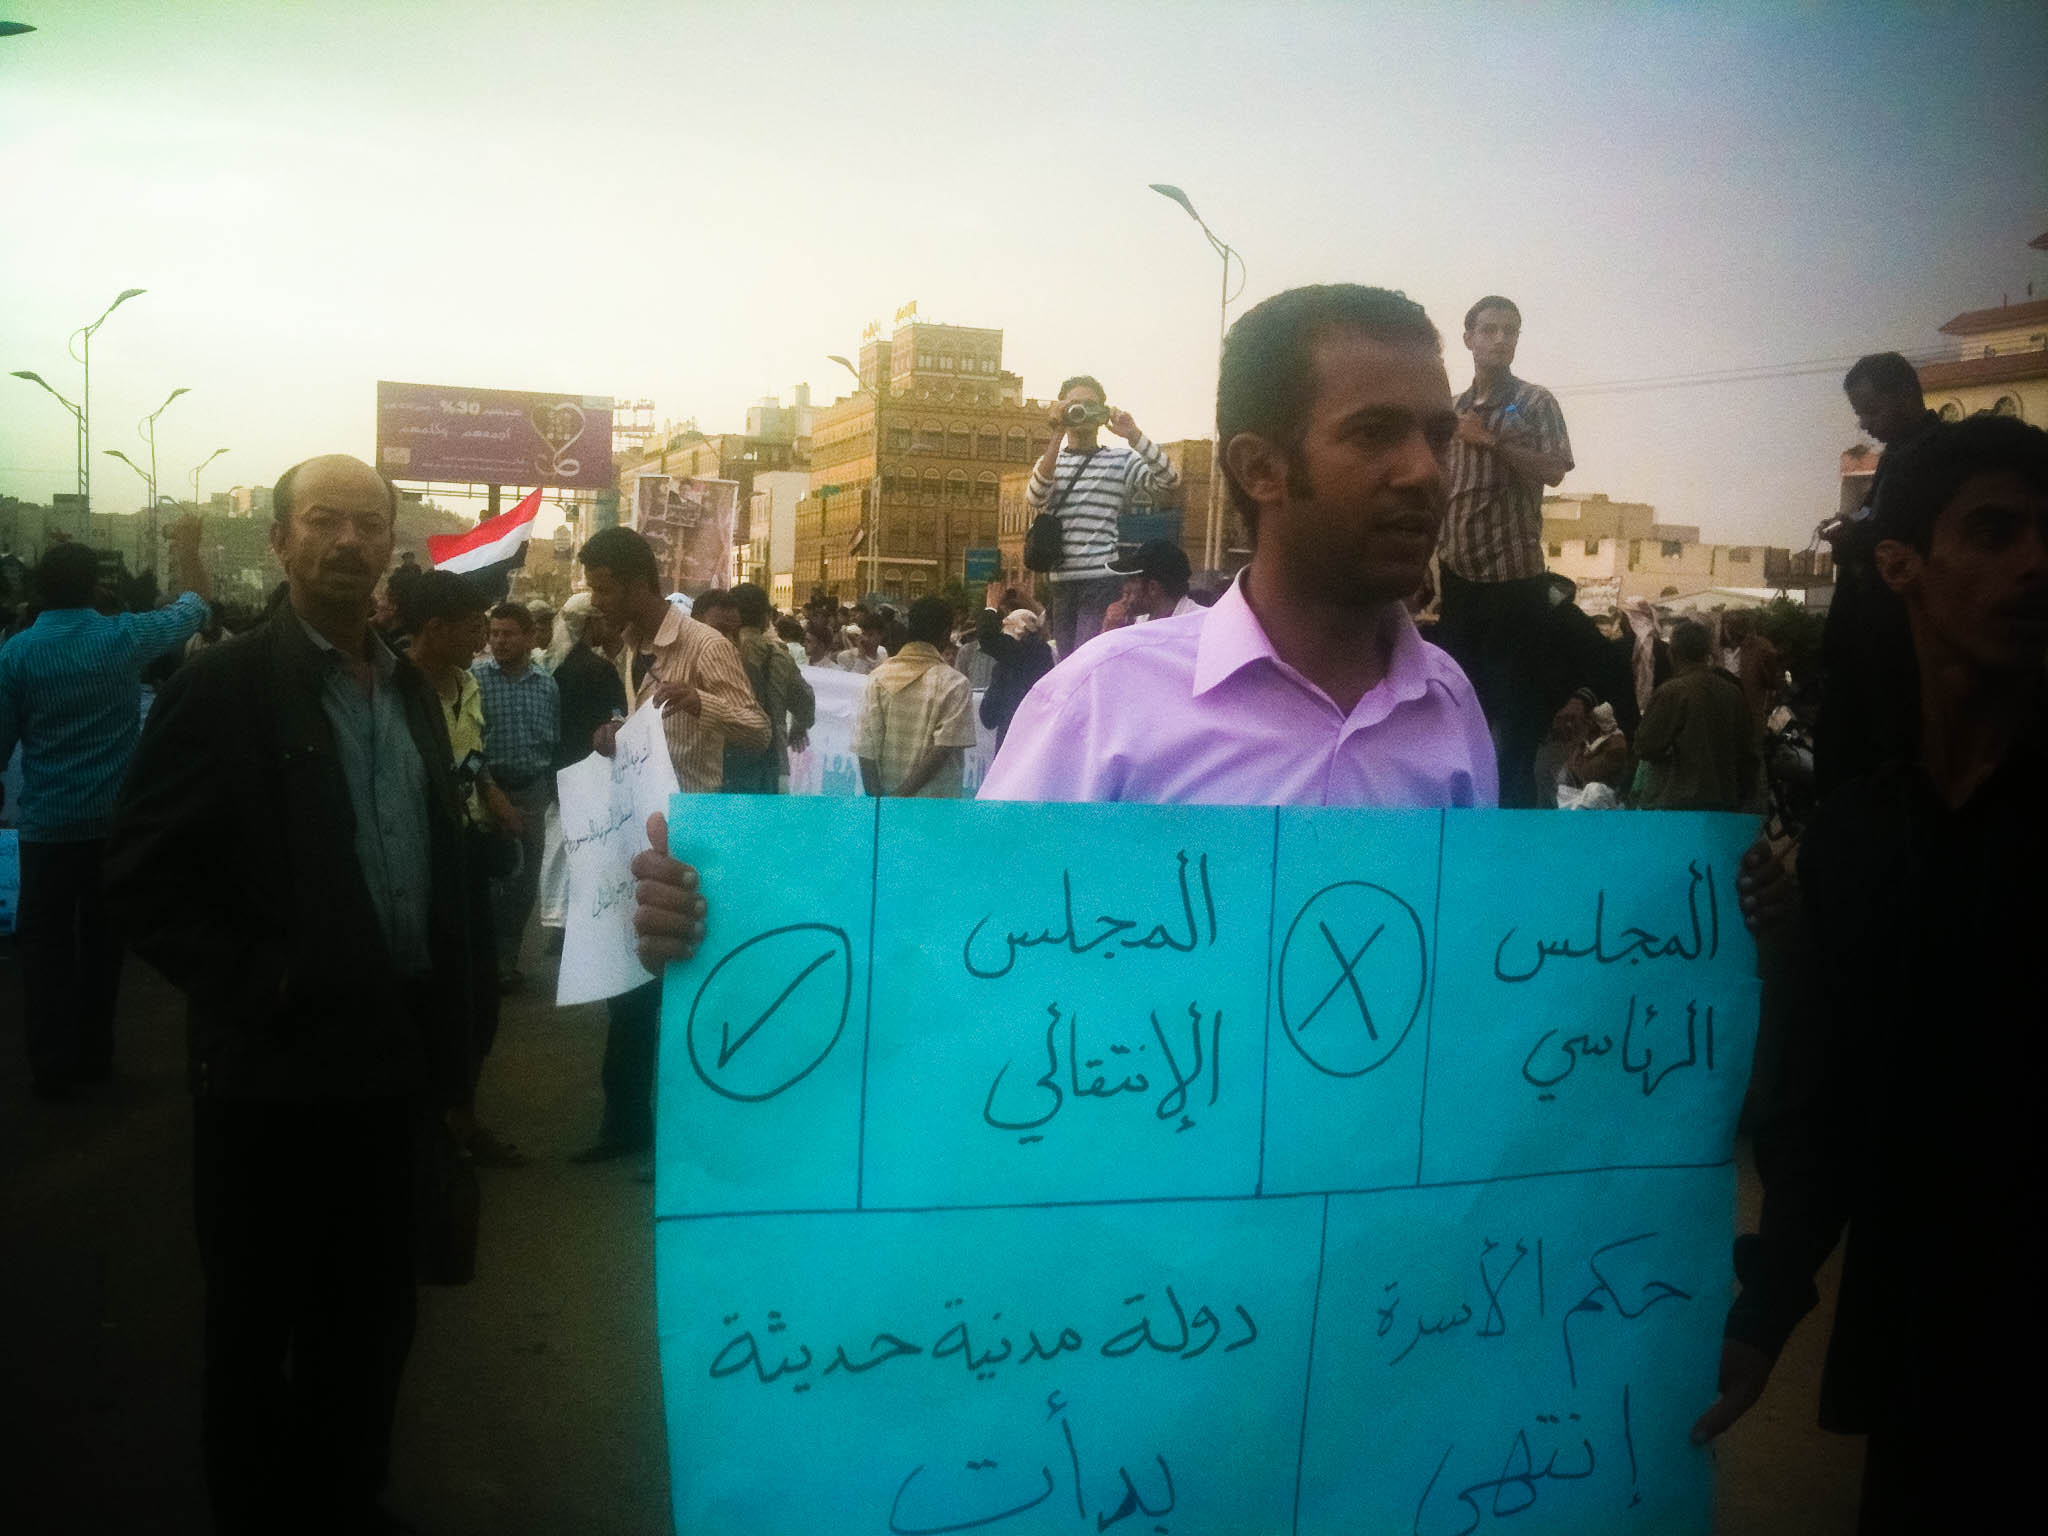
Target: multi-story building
x,y
905,473
769,557
2001,364
249,501
1617,549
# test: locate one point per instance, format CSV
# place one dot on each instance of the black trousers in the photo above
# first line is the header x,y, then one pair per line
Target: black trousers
x,y
629,1060
305,1220
70,962
1495,631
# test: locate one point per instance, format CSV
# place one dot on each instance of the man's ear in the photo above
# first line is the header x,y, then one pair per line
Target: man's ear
x,y
1258,466
1898,564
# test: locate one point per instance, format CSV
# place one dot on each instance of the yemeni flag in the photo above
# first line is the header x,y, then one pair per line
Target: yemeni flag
x,y
490,552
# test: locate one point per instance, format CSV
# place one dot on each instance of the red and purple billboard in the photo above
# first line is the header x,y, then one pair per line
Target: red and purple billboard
x,y
495,436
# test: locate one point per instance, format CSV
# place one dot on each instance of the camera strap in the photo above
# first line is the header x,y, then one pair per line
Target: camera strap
x,y
1059,499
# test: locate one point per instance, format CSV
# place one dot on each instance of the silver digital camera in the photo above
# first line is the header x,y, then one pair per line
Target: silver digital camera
x,y
1085,413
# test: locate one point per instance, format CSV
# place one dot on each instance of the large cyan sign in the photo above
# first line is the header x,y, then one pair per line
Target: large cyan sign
x,y
1199,1170
493,436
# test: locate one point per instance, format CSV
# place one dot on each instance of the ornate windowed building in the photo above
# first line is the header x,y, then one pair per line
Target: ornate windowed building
x,y
906,473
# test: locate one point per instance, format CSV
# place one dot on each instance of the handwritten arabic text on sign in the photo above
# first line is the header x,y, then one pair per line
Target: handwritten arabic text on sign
x,y
1222,1170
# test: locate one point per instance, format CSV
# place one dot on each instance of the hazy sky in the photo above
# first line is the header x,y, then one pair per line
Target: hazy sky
x,y
696,203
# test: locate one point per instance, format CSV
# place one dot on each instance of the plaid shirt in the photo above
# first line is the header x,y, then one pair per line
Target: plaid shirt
x,y
685,650
1493,530
522,722
913,701
71,695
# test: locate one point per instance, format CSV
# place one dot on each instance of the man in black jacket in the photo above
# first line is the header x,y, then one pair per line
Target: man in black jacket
x,y
1019,651
1906,1110
287,851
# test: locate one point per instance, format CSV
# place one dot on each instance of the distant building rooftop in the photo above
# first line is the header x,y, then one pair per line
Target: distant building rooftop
x,y
2002,369
1973,322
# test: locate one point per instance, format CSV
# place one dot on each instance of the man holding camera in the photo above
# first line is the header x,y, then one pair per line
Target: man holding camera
x,y
1088,487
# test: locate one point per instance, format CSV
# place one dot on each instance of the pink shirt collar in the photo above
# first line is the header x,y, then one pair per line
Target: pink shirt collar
x,y
1232,639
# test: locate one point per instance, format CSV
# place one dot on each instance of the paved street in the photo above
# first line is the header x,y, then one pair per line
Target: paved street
x,y
532,1403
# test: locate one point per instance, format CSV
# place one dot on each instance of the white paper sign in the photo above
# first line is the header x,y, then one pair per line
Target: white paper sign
x,y
829,767
605,805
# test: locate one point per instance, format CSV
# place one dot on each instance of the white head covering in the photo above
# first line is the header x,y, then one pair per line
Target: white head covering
x,y
1021,622
1641,617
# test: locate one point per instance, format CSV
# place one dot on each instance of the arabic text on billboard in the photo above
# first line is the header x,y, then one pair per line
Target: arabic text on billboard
x,y
496,436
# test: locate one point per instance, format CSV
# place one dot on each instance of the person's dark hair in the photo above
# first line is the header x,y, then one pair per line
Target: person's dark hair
x,y
1689,641
752,603
931,620
1491,301
787,628
1267,381
68,576
436,595
1083,378
624,552
716,597
1924,477
516,612
873,621
281,495
1886,372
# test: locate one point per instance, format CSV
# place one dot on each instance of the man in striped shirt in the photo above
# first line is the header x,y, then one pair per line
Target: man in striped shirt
x,y
1089,487
71,695
693,674
1511,443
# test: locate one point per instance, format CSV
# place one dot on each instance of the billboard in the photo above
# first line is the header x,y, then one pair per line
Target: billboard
x,y
689,523
495,436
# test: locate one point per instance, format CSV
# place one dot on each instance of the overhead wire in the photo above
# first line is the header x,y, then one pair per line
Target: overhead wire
x,y
1753,373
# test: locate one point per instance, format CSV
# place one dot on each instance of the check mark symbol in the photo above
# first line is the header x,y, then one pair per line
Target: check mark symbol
x,y
729,1047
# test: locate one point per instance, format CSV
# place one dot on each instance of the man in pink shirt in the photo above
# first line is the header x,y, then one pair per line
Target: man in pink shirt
x,y
1307,683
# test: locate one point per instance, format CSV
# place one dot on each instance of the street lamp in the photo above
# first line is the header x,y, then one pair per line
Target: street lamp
x,y
83,337
871,497
77,422
146,429
145,556
195,475
148,485
1212,544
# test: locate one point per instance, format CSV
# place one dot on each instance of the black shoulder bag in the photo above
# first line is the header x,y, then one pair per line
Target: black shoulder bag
x,y
1043,547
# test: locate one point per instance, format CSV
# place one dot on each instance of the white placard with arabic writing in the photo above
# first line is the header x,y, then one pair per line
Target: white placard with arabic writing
x,y
605,804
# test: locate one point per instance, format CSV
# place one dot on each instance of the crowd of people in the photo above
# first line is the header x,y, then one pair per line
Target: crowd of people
x,y
336,827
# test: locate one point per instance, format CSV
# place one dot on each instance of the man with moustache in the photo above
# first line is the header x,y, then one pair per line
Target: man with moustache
x,y
288,851
1306,683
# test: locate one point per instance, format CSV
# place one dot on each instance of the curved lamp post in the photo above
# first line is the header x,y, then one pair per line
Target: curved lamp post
x,y
195,474
146,430
1212,544
871,498
77,422
80,346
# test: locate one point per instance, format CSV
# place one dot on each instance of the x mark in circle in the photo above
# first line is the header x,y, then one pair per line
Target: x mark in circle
x,y
1347,975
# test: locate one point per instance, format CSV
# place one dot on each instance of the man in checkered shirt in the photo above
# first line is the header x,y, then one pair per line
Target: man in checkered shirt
x,y
1511,443
522,728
